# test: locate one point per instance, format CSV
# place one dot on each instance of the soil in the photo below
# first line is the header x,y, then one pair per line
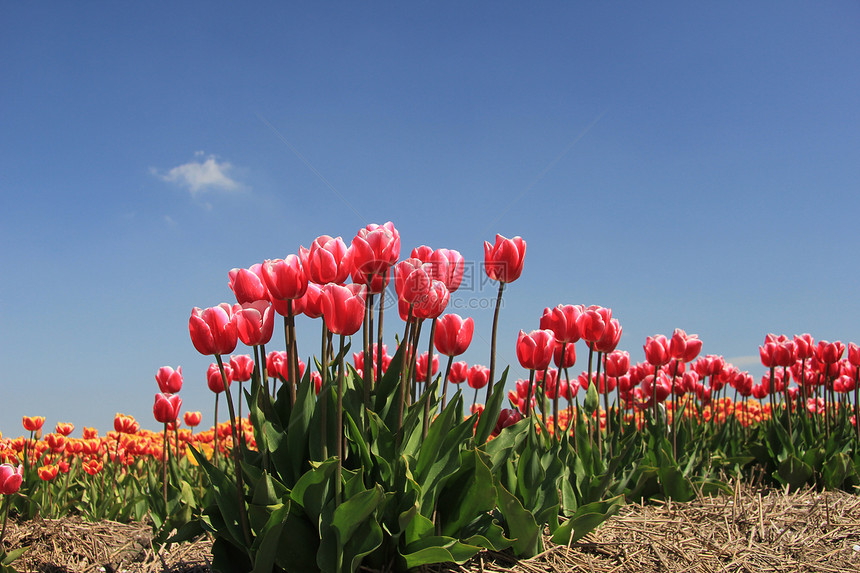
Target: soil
x,y
750,531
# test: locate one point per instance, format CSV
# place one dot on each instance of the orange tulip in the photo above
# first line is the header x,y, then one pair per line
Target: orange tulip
x,y
47,473
33,423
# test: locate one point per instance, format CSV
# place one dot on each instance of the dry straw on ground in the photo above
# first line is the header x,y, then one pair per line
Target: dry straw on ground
x,y
748,531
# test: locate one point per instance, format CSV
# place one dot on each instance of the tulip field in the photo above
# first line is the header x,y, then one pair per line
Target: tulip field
x,y
390,457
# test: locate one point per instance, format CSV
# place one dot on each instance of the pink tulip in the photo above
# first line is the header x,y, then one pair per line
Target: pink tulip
x,y
657,350
684,347
343,308
10,478
242,367
434,302
478,376
169,380
453,334
617,363
459,372
535,349
255,322
503,261
375,248
213,377
327,261
166,408
285,278
247,284
562,321
213,330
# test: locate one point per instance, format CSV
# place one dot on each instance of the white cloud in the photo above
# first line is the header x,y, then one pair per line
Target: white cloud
x,y
201,176
744,361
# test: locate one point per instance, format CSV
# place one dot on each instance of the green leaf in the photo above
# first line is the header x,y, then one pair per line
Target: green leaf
x,y
10,557
585,519
437,549
794,472
466,495
521,524
268,542
314,488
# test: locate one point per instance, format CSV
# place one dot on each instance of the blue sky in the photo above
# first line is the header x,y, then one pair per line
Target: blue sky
x,y
688,165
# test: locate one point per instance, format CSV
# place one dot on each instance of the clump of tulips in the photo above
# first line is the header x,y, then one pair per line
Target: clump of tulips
x,y
388,461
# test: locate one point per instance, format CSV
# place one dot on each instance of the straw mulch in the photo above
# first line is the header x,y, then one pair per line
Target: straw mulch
x,y
749,531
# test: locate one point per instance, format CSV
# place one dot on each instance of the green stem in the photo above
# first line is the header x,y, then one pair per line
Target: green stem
x,y
324,394
426,422
237,457
337,484
445,382
528,406
493,343
379,336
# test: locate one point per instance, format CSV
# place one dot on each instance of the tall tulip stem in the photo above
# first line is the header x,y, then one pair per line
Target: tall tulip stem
x,y
339,425
379,335
445,382
555,425
531,390
493,343
165,457
324,393
237,455
427,381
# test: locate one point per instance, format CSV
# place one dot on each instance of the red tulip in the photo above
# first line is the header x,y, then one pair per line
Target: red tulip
x,y
169,380
804,346
327,261
285,278
421,366
535,349
657,350
507,417
617,363
478,376
375,248
312,301
375,283
551,384
255,322
247,284
591,324
213,330
358,359
829,352
166,408
503,261
459,372
569,354
276,364
412,280
608,341
192,419
684,347
33,423
453,334
853,354
213,377
241,367
449,266
562,321
343,308
10,478
434,302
